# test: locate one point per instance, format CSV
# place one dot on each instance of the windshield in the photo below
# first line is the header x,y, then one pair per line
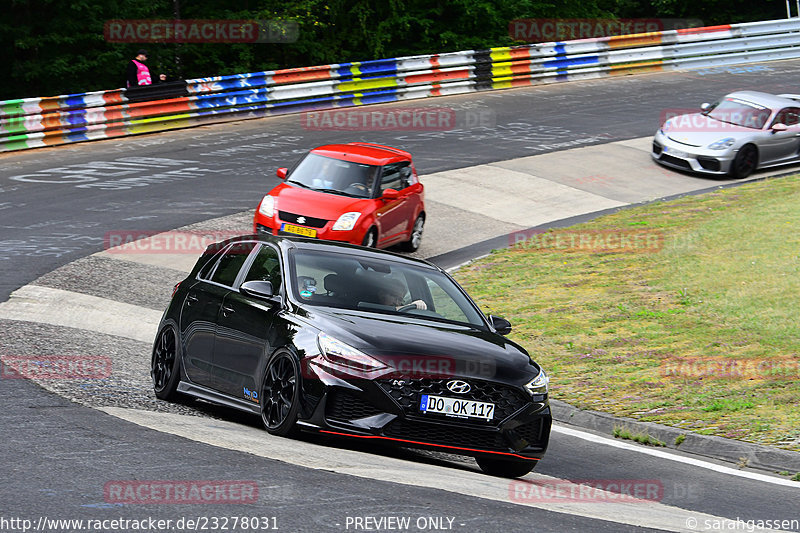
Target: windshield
x,y
334,176
740,113
379,286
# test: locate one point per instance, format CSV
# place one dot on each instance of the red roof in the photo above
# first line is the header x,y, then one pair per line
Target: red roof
x,y
366,153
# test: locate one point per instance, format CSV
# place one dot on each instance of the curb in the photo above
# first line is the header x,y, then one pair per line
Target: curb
x,y
742,454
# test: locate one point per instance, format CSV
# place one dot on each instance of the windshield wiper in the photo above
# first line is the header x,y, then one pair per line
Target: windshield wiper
x,y
298,183
337,191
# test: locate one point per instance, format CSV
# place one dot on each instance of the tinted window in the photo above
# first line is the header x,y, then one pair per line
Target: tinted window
x,y
789,116
210,259
230,263
396,176
266,267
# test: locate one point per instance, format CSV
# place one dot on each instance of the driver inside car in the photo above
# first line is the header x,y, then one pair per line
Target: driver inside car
x,y
392,293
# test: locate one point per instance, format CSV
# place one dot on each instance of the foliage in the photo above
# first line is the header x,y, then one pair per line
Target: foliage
x,y
57,46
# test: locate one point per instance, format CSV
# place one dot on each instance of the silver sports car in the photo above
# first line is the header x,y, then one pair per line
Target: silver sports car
x,y
743,131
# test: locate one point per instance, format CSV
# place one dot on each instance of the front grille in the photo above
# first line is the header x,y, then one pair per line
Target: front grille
x,y
446,435
709,163
310,222
656,148
345,406
531,432
675,161
408,392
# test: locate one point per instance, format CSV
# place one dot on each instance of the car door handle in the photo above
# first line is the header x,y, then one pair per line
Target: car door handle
x,y
227,310
190,299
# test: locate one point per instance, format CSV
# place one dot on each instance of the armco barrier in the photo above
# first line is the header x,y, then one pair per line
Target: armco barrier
x,y
36,122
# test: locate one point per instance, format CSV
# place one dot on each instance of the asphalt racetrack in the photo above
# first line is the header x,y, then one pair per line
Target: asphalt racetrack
x,y
516,159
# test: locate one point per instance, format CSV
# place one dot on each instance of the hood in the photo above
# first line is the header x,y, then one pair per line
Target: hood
x,y
699,130
427,348
316,204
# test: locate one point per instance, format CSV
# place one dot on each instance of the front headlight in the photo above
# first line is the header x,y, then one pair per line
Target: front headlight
x,y
539,384
339,353
347,221
722,144
267,207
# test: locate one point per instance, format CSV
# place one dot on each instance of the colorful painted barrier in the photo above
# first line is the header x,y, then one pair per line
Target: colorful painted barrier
x,y
37,122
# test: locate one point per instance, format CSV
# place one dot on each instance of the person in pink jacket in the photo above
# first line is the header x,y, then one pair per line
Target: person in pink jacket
x,y
137,73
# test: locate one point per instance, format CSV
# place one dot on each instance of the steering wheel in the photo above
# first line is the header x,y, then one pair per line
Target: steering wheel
x,y
408,307
358,185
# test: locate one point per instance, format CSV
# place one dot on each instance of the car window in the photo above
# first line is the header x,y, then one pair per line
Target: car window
x,y
378,285
396,176
210,257
740,113
790,116
334,176
228,266
443,303
266,267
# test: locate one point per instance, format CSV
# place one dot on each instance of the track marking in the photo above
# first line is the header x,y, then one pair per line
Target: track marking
x,y
596,439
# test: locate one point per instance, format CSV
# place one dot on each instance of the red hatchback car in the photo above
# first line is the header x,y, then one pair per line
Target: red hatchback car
x,y
359,193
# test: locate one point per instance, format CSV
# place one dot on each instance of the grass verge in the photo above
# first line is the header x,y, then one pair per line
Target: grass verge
x,y
683,313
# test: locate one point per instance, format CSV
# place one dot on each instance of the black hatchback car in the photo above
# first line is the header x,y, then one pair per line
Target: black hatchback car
x,y
354,342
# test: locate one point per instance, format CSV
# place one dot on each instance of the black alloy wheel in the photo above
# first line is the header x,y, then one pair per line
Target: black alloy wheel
x,y
745,162
280,395
164,364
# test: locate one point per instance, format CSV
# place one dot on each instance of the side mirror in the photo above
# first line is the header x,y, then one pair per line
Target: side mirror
x,y
778,127
705,107
281,173
258,289
390,194
502,325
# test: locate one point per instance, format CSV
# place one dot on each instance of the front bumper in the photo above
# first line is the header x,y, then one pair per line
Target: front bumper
x,y
673,154
388,410
355,236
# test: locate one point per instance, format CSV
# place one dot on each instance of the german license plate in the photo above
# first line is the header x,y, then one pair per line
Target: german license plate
x,y
299,230
456,407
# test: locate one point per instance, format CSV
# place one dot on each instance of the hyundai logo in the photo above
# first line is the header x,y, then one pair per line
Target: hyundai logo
x,y
301,220
458,386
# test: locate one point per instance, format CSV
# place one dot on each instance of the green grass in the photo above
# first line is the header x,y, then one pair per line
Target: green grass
x,y
700,332
642,438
